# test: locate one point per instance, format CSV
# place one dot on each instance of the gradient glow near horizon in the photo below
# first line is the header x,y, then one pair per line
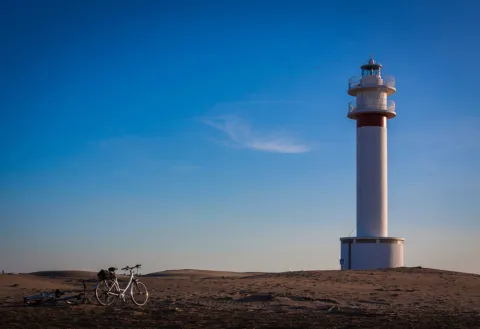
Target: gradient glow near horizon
x,y
214,136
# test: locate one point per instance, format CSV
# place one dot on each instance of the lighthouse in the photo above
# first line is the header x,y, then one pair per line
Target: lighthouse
x,y
372,247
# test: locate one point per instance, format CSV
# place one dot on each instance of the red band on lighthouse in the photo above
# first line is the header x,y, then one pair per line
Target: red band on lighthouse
x,y
371,120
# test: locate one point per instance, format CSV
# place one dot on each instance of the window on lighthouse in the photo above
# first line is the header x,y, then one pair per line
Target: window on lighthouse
x,y
371,71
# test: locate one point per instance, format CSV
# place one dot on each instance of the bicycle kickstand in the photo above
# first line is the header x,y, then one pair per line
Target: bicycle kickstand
x,y
86,299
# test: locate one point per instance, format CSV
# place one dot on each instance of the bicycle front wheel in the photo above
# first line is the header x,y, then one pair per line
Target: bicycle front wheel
x,y
102,292
139,294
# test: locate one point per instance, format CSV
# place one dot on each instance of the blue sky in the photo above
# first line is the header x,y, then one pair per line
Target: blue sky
x,y
214,135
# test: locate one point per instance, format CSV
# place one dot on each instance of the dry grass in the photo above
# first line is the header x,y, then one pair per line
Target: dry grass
x,y
407,298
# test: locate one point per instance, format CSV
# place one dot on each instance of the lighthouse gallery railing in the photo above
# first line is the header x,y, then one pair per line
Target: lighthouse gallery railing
x,y
389,106
387,81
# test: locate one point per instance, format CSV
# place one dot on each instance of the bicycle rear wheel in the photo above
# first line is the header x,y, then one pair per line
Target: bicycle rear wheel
x,y
76,300
102,292
34,300
139,293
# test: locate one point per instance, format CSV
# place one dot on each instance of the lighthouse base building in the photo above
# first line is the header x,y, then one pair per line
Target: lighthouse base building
x,y
371,253
372,248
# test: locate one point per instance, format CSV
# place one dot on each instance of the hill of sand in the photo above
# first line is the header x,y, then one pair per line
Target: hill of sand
x,y
66,274
395,298
192,273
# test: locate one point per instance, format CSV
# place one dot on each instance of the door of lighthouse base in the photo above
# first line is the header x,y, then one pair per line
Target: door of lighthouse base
x,y
349,255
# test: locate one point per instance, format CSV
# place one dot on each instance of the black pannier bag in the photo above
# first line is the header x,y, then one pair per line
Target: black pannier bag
x,y
102,275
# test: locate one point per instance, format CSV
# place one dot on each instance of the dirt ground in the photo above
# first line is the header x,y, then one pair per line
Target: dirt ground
x,y
396,298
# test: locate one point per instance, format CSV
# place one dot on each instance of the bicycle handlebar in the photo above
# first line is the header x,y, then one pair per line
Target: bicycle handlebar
x,y
131,268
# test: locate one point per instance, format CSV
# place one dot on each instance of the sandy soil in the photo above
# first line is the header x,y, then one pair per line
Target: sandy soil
x,y
399,298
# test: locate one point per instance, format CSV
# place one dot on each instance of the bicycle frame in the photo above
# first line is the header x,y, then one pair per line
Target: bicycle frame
x,y
53,297
121,292
41,297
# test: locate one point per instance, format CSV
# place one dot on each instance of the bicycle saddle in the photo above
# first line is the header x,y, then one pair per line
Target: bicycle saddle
x,y
112,269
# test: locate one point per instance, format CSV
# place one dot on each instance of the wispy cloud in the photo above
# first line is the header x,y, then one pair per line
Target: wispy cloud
x,y
241,135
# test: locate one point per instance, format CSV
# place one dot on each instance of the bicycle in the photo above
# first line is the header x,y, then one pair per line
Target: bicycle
x,y
55,296
109,288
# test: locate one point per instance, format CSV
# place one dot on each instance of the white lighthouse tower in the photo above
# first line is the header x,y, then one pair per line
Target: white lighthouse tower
x,y
372,248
